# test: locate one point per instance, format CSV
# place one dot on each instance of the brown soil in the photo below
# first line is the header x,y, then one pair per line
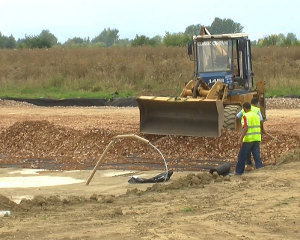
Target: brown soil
x,y
262,204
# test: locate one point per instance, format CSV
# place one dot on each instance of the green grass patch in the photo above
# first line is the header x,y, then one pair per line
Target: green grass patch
x,y
62,93
99,73
283,91
187,209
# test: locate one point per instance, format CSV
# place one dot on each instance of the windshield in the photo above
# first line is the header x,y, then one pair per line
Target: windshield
x,y
214,56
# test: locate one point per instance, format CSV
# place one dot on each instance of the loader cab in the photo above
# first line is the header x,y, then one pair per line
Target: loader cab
x,y
225,58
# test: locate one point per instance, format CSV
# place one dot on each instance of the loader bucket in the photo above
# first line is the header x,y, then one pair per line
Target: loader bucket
x,y
184,117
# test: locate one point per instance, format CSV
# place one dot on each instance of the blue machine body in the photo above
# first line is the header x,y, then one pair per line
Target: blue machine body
x,y
211,77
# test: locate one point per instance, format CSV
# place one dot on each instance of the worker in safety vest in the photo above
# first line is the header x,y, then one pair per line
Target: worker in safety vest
x,y
254,108
249,140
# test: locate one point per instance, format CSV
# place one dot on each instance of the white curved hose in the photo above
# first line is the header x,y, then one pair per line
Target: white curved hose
x,y
162,158
120,137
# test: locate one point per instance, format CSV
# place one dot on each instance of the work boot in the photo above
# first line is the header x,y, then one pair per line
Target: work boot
x,y
248,168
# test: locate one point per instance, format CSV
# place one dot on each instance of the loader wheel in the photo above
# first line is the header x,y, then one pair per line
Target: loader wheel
x,y
230,112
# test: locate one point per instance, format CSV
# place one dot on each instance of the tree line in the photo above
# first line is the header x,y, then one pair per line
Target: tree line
x,y
110,37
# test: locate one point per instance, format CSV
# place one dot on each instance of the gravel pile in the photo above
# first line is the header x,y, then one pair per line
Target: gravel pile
x,y
11,103
39,144
283,103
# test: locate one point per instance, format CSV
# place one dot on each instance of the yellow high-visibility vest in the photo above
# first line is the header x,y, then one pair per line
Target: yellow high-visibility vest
x,y
253,133
253,109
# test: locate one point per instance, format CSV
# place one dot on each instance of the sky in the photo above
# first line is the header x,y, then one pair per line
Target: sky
x,y
88,18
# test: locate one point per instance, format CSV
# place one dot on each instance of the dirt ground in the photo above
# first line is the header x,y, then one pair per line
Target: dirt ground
x,y
193,204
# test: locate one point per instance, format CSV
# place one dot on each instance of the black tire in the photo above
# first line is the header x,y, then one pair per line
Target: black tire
x,y
230,112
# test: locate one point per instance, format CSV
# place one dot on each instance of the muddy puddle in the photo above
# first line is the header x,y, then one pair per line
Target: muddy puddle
x,y
28,178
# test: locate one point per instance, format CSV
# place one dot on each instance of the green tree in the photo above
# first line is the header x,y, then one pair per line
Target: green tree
x,y
11,42
140,40
290,39
108,36
271,40
279,40
98,45
44,40
29,42
156,40
47,39
77,42
143,40
2,41
7,42
125,42
193,30
221,26
175,39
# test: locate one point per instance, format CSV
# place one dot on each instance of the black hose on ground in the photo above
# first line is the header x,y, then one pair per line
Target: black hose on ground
x,y
223,169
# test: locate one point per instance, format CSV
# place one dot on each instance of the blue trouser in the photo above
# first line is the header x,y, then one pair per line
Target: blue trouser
x,y
248,161
246,149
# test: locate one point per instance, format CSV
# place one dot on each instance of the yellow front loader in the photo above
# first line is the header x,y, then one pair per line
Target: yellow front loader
x,y
223,81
